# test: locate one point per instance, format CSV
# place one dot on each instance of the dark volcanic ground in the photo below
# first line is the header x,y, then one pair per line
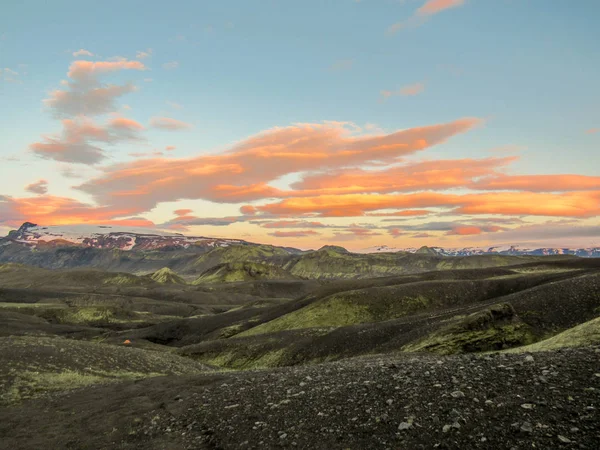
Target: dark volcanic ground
x,y
497,401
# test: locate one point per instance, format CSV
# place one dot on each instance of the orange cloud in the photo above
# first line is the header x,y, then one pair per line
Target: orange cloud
x,y
75,143
182,212
593,130
122,123
85,94
292,224
396,232
540,183
257,161
287,234
436,6
403,213
354,232
578,204
51,210
411,90
427,175
87,70
236,194
166,123
248,210
465,230
430,8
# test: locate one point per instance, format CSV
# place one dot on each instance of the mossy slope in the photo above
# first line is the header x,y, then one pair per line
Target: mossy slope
x,y
243,271
582,335
35,366
495,328
166,276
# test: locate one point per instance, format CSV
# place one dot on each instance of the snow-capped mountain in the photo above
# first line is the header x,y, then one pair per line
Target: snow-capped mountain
x,y
590,252
108,237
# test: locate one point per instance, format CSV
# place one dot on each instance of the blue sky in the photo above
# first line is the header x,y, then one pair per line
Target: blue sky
x,y
233,69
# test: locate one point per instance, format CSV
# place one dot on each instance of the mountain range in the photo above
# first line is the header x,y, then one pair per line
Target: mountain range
x,y
127,238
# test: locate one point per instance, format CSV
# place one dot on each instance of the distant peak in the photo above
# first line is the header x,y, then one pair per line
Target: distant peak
x,y
335,248
26,226
426,251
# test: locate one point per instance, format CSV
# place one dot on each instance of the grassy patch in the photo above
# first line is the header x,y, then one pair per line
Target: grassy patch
x,y
587,333
242,271
35,366
332,312
492,329
233,360
31,384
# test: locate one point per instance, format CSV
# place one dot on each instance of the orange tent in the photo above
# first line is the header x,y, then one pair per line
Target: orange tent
x,y
127,342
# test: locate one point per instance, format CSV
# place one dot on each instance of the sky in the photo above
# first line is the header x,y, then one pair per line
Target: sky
x,y
404,123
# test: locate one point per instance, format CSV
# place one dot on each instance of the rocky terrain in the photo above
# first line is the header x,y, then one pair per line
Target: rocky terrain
x,y
501,401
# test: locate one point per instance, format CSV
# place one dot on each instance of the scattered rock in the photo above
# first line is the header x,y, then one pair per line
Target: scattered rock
x,y
404,426
526,427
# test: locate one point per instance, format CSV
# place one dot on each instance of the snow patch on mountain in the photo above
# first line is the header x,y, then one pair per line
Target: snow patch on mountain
x,y
515,250
109,237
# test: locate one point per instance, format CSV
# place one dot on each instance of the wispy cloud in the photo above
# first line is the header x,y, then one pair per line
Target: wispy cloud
x,y
294,234
77,143
143,54
9,75
167,123
86,95
428,9
410,90
82,52
171,65
396,232
174,105
38,187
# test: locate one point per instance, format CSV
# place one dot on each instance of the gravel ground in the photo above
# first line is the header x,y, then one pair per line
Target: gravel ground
x,y
497,401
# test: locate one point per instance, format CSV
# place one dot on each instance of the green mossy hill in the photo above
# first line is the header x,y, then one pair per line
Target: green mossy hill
x,y
37,366
253,352
123,279
494,328
21,276
381,303
243,271
426,251
332,262
238,253
333,249
167,276
582,335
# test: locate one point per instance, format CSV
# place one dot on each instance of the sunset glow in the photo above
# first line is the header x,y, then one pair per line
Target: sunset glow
x,y
224,122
